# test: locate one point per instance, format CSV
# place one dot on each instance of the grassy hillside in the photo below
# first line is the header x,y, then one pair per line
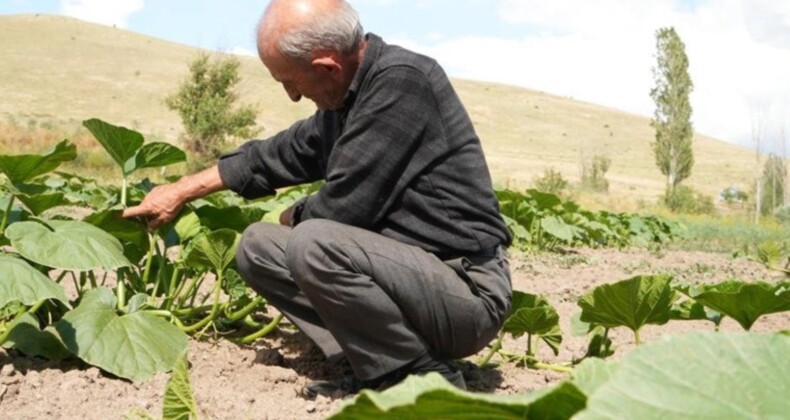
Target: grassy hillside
x,y
63,70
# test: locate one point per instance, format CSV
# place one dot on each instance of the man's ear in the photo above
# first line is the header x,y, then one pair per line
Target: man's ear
x,y
328,64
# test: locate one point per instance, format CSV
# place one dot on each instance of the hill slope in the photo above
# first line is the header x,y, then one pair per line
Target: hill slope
x,y
65,70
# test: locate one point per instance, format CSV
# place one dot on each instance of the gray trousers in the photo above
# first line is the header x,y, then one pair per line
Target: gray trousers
x,y
378,302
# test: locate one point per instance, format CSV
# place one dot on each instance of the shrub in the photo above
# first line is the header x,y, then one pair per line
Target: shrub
x,y
733,195
204,101
551,182
685,200
594,174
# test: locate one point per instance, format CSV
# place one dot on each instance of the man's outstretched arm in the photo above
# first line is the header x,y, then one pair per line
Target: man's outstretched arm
x,y
164,202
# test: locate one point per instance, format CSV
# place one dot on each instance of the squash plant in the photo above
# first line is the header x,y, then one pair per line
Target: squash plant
x,y
128,282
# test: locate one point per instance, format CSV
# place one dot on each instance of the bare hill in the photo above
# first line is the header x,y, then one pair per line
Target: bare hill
x,y
65,70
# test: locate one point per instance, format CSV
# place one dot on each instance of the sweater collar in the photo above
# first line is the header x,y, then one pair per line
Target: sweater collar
x,y
372,53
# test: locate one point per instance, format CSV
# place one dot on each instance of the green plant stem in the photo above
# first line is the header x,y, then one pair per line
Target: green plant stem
x,y
22,311
37,306
249,322
262,332
246,310
190,312
61,276
92,278
211,316
160,272
76,283
534,363
182,300
636,338
529,345
193,294
120,294
124,186
551,366
8,208
171,287
162,313
494,349
104,278
148,260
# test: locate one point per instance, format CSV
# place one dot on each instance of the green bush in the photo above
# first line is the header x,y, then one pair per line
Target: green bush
x,y
205,101
783,214
687,201
594,174
551,182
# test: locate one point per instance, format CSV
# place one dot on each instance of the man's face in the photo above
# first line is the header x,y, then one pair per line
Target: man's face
x,y
308,80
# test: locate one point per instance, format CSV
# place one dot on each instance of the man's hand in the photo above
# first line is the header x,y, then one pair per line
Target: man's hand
x,y
160,206
164,202
286,215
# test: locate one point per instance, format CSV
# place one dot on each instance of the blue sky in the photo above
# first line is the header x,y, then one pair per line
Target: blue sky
x,y
599,51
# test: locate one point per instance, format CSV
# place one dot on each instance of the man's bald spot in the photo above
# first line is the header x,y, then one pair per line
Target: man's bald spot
x,y
284,16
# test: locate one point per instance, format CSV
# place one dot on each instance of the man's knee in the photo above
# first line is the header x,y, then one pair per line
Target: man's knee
x,y
308,246
258,248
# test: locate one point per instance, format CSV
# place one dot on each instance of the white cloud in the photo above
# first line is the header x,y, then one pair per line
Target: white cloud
x,y
237,50
602,51
115,12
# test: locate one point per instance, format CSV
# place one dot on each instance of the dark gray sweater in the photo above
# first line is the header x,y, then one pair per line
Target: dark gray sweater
x,y
401,159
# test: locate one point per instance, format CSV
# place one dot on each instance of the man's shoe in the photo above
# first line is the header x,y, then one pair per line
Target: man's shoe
x,y
456,379
350,384
332,388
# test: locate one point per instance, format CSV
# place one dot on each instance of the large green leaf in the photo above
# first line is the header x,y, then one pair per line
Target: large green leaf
x,y
67,244
120,142
559,229
22,168
22,283
40,203
27,337
231,217
631,303
132,234
532,314
698,376
157,154
544,200
179,403
431,397
591,373
134,346
691,310
743,302
215,250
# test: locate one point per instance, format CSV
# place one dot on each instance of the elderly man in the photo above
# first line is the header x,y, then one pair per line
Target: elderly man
x,y
396,264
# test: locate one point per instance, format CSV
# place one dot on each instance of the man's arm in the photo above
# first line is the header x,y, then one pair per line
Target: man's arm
x,y
164,202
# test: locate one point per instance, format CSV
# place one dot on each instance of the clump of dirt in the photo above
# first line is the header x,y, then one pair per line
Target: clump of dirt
x,y
262,381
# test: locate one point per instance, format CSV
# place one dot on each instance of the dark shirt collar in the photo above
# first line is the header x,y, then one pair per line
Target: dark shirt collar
x,y
372,53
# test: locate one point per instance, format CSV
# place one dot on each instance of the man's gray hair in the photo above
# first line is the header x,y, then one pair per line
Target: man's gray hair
x,y
340,31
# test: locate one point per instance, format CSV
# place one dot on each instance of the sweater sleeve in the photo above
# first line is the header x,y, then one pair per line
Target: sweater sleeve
x,y
291,157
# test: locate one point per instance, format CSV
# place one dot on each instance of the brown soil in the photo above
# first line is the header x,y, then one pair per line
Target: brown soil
x,y
261,381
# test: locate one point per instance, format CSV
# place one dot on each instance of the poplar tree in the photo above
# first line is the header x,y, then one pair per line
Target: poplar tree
x,y
672,117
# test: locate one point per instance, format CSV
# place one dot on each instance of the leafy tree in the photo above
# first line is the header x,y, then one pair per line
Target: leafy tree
x,y
773,188
672,120
205,103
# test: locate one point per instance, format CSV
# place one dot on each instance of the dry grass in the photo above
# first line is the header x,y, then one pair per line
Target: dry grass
x,y
64,70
